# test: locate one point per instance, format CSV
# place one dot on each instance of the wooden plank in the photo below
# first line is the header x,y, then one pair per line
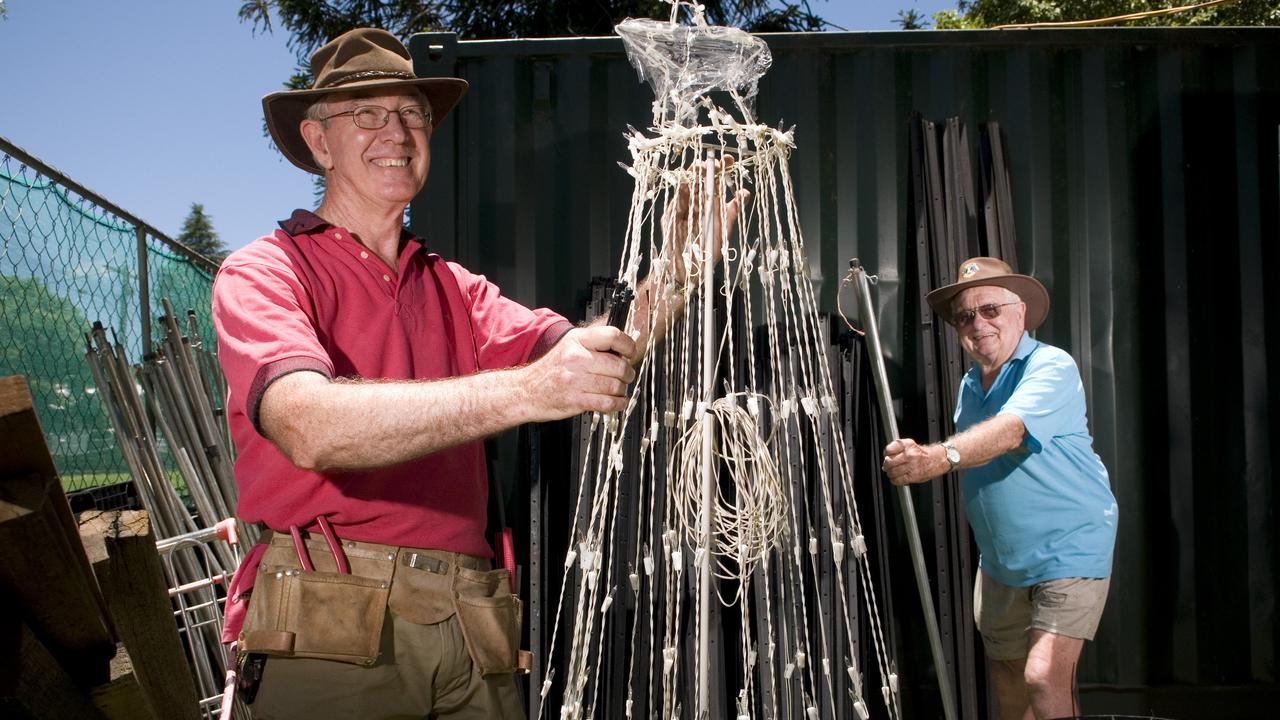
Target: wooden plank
x,y
121,699
123,553
40,571
32,683
42,564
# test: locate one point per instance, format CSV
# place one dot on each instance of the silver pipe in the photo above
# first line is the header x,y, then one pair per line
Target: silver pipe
x,y
890,423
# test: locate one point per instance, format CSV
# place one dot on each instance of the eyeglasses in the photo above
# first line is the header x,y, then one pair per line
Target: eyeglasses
x,y
962,318
375,117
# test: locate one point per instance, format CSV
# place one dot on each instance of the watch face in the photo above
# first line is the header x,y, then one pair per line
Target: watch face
x,y
953,455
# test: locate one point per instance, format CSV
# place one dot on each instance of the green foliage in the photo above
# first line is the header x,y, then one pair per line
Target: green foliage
x,y
911,20
199,235
310,24
990,13
40,338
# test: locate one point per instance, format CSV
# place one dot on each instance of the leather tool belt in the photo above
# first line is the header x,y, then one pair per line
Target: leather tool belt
x,y
326,598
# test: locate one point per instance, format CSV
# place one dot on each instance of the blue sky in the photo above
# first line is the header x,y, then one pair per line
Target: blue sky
x,y
155,104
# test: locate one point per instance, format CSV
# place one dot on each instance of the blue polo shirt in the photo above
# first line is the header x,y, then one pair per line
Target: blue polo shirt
x,y
1043,510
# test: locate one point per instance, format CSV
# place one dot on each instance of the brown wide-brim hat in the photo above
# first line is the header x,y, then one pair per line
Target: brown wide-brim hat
x,y
990,271
358,60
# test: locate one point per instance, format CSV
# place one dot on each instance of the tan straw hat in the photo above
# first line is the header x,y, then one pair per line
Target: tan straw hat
x,y
360,59
990,271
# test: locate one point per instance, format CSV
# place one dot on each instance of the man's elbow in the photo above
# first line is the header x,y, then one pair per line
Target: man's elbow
x,y
1015,433
301,450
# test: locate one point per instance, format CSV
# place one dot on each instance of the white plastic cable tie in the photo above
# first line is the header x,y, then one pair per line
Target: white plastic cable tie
x,y
686,411
753,406
859,545
788,670
893,682
800,659
810,405
861,708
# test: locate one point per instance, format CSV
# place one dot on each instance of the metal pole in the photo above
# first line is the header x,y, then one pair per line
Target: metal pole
x,y
890,423
708,439
144,292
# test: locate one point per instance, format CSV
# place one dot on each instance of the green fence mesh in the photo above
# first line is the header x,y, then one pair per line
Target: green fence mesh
x,y
67,261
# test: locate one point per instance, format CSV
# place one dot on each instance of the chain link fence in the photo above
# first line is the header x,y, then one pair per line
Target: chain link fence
x,y
69,258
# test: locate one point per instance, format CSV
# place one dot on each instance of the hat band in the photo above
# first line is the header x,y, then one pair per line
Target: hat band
x,y
367,75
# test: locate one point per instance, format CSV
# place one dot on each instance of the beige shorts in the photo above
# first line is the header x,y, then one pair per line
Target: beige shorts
x,y
1067,606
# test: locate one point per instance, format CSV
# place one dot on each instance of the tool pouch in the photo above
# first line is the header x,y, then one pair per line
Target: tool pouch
x,y
331,610
490,617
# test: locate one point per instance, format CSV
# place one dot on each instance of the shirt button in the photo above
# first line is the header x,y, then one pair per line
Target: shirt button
x,y
364,255
337,236
387,278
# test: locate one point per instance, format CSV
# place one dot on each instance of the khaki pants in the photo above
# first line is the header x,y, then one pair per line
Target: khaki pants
x,y
424,672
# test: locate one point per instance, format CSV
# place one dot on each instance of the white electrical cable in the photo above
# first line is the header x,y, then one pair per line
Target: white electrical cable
x,y
726,453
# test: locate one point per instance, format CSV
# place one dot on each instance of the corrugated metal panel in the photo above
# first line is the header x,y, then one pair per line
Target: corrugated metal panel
x,y
1146,186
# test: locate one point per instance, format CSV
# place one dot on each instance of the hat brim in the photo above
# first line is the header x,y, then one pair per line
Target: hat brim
x,y
1027,288
285,110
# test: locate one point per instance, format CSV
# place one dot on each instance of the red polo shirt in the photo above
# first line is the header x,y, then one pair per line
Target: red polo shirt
x,y
313,298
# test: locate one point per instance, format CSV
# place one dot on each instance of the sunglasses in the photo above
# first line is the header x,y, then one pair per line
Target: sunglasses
x,y
963,318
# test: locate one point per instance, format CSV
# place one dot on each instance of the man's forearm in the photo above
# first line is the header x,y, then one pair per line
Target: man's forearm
x,y
322,424
988,440
349,425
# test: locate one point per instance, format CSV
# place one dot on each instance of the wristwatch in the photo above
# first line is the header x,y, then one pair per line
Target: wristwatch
x,y
953,455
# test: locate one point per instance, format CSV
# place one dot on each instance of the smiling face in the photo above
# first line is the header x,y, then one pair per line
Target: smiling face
x,y
990,341
377,169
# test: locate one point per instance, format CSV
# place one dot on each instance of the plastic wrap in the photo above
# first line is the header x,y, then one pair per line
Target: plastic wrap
x,y
685,62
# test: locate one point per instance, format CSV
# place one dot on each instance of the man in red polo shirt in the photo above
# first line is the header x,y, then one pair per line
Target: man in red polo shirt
x,y
364,372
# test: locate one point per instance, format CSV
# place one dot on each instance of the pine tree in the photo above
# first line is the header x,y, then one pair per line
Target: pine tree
x,y
199,235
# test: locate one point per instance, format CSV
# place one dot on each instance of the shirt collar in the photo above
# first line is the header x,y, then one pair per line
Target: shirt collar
x,y
1026,344
305,222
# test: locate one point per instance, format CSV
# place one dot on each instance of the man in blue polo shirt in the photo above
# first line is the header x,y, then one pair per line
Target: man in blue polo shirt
x,y
1037,495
